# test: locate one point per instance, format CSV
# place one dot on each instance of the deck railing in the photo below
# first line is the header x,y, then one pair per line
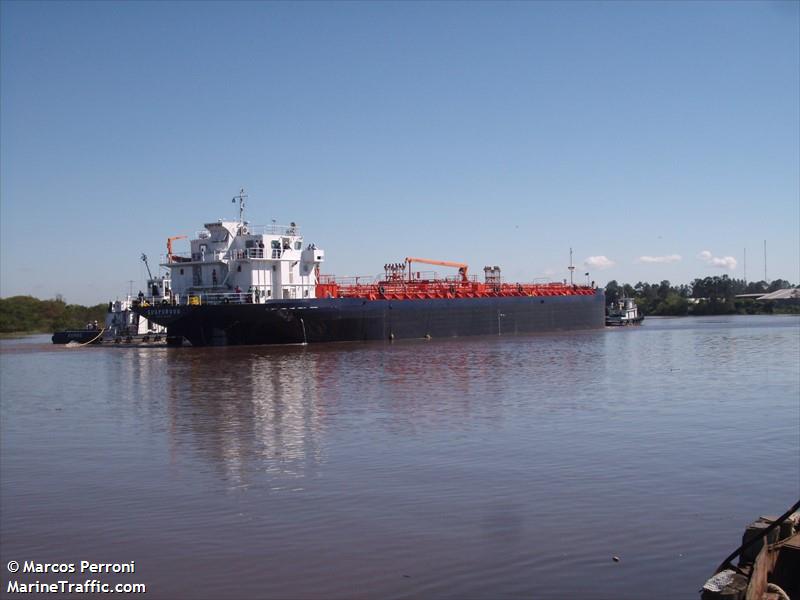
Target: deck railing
x,y
254,295
239,254
273,229
216,255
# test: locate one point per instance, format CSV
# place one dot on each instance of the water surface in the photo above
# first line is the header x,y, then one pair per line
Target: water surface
x,y
470,468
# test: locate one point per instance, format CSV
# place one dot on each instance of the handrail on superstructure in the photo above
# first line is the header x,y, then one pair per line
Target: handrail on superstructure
x,y
462,267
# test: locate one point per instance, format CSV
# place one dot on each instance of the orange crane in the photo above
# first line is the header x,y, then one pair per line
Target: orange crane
x,y
462,267
169,245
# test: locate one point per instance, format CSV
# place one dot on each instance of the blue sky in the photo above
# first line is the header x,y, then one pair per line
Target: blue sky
x,y
485,132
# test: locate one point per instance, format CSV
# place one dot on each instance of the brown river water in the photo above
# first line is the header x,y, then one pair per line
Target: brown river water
x,y
502,467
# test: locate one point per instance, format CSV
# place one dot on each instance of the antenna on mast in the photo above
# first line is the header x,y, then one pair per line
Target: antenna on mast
x,y
571,267
241,197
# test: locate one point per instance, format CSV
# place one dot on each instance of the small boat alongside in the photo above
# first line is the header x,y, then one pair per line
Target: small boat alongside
x,y
623,312
78,336
122,325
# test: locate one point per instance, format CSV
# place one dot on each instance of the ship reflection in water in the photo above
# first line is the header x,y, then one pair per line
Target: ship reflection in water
x,y
260,413
245,412
248,413
489,467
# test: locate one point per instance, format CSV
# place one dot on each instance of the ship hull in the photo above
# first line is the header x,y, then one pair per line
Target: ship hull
x,y
79,336
354,319
619,322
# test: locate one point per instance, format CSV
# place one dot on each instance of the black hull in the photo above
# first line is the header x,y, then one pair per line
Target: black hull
x,y
352,319
80,336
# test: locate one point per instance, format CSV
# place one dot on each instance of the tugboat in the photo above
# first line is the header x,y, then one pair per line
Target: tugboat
x,y
623,312
242,284
122,324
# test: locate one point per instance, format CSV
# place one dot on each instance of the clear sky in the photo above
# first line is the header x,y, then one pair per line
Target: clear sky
x,y
492,133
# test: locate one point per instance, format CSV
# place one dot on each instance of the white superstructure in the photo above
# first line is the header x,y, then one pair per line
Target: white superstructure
x,y
122,322
623,312
234,261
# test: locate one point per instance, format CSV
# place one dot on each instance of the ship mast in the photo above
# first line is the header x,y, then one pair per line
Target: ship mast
x,y
241,197
571,267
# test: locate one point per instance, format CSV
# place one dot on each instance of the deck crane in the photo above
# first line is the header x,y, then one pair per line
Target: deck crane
x,y
170,256
462,267
144,260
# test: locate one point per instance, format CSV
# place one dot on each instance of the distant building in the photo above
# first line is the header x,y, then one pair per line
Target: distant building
x,y
790,294
785,295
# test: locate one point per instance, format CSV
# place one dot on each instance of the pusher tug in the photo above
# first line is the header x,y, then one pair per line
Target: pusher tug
x,y
121,325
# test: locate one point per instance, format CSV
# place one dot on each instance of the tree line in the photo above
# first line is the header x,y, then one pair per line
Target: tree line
x,y
26,314
704,296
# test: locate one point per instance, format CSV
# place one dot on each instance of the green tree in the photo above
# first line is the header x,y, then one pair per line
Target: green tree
x,y
26,314
612,291
674,304
778,284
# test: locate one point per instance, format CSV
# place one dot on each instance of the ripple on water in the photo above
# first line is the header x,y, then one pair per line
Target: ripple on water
x,y
480,468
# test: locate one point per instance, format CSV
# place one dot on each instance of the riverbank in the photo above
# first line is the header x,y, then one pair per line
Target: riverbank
x,y
703,297
13,335
26,315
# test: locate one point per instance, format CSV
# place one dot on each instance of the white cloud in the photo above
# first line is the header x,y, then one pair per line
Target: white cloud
x,y
720,262
599,262
668,259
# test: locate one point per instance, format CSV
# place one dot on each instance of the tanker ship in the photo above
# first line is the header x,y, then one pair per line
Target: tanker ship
x,y
241,284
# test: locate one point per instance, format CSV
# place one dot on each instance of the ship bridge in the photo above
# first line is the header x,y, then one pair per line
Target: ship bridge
x,y
232,261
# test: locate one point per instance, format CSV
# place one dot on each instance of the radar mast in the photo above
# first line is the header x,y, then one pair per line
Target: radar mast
x,y
241,197
571,267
